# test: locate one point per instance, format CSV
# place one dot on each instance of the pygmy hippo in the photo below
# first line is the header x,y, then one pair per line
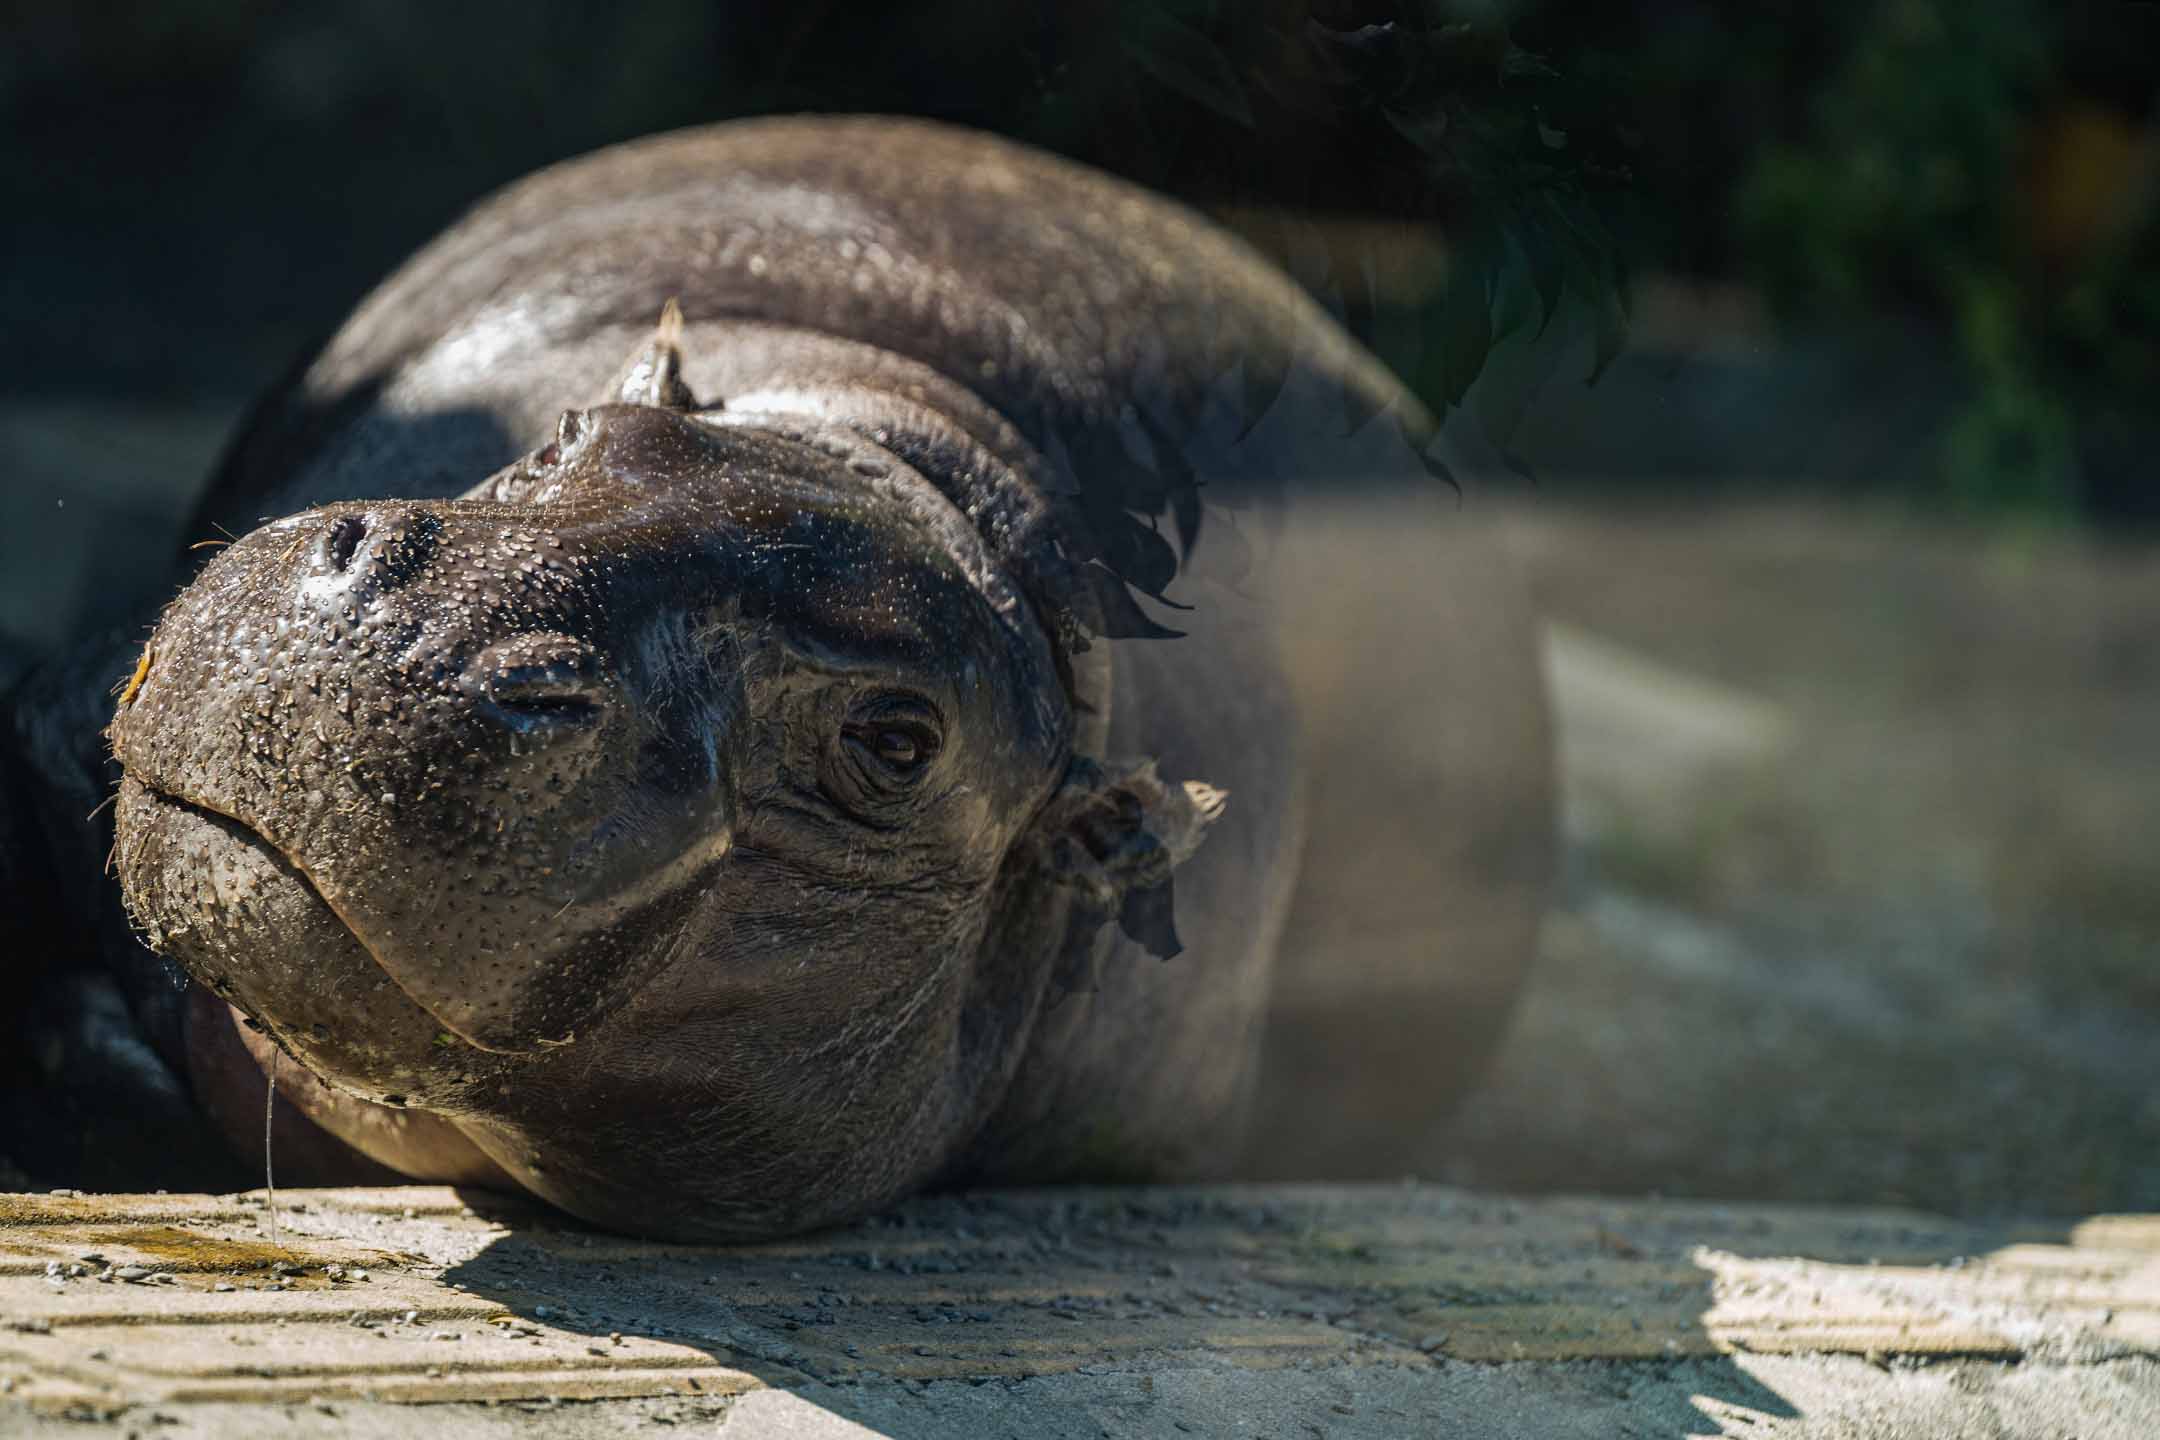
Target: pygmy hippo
x,y
776,682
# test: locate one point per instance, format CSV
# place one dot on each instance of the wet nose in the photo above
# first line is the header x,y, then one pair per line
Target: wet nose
x,y
544,685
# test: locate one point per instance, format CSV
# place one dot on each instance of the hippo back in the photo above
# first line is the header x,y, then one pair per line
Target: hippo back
x,y
1062,297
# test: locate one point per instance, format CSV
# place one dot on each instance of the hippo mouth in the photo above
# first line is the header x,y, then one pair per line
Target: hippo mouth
x,y
240,833
246,919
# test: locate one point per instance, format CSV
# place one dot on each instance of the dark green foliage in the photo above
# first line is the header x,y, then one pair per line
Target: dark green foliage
x,y
1291,114
1978,167
1291,117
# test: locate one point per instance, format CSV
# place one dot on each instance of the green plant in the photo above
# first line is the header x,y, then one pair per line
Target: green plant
x,y
1420,111
1949,170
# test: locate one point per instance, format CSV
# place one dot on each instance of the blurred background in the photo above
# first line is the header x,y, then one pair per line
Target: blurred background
x,y
1810,351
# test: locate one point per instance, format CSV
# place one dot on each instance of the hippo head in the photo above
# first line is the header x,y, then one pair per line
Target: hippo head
x,y
690,814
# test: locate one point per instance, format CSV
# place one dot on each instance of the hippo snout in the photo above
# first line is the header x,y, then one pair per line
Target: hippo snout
x,y
433,617
474,733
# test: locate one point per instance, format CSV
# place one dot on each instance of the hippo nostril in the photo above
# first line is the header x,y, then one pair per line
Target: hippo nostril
x,y
343,540
539,683
374,551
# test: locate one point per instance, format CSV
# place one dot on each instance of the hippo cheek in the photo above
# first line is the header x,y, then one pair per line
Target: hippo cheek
x,y
519,925
238,916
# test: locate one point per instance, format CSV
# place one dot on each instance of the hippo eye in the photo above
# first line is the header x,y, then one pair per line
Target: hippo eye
x,y
898,749
894,738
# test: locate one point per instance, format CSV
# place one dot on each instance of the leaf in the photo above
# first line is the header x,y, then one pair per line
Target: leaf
x,y
1375,59
1523,64
1261,382
1364,40
1592,264
1466,333
1188,62
1230,554
1515,298
1426,130
1354,282
1138,555
1104,606
1113,477
1434,466
1514,375
1185,509
1359,405
1548,267
1180,486
1152,564
1148,916
1612,329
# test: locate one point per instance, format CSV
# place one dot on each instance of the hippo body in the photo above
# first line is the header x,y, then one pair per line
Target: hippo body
x,y
797,779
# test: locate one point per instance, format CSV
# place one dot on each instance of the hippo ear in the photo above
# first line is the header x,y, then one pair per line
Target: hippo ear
x,y
1115,832
653,374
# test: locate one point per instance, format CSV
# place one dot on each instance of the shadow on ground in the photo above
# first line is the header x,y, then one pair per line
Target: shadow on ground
x,y
1286,1311
1339,1311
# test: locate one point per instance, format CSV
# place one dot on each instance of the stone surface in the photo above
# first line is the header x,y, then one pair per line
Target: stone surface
x,y
1378,1310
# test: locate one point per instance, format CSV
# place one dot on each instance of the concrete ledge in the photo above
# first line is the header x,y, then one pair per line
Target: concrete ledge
x,y
1276,1310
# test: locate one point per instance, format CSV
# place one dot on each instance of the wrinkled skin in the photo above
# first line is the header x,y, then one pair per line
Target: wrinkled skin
x,y
747,806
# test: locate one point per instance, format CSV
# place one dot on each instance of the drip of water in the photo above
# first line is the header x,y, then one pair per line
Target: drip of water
x,y
269,1178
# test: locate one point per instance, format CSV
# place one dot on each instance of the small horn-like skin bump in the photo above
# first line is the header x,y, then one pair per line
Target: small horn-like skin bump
x,y
653,376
